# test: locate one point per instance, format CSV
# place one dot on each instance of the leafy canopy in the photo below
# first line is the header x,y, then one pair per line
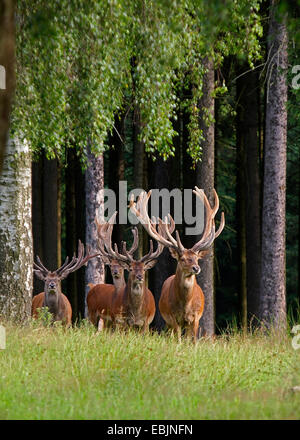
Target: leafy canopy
x,y
78,62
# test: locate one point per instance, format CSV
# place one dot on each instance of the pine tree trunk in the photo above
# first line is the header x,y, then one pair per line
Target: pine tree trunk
x,y
272,288
37,219
249,188
49,213
71,230
138,167
59,216
117,170
241,223
45,215
16,257
205,173
7,69
94,184
159,178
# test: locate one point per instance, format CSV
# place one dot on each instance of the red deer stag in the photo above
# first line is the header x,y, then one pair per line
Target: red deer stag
x,y
182,300
52,297
134,305
101,296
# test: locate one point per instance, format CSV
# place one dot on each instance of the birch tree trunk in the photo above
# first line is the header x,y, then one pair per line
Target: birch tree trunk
x,y
94,184
7,69
205,175
16,245
272,288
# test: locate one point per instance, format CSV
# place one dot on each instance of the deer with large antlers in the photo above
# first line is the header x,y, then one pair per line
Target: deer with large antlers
x,y
52,297
181,302
134,305
101,296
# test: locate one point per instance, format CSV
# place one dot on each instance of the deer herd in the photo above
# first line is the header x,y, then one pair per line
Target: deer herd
x,y
131,304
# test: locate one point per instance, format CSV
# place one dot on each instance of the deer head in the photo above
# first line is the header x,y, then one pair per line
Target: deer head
x,y
187,258
125,258
53,279
104,231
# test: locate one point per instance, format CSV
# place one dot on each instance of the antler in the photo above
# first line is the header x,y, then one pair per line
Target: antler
x,y
209,234
152,255
165,229
39,269
104,231
76,262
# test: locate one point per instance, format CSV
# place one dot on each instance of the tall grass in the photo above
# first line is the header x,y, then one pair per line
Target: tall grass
x,y
57,373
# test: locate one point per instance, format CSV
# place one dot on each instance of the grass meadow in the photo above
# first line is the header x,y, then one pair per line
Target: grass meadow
x,y
57,373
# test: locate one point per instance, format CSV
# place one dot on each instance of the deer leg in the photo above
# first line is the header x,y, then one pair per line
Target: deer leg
x,y
195,330
100,325
146,327
177,330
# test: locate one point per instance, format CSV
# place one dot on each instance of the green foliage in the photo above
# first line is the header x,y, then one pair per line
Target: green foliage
x,y
44,318
71,72
81,63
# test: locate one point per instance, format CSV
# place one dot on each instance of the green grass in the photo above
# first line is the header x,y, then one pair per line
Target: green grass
x,y
53,373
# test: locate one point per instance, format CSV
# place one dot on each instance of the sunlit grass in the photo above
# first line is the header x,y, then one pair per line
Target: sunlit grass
x,y
54,373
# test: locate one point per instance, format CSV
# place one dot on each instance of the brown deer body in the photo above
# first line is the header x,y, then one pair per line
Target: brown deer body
x,y
101,296
182,300
133,305
52,297
59,306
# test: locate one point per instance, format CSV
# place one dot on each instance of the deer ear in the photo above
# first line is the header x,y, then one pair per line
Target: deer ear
x,y
202,254
174,253
150,264
39,274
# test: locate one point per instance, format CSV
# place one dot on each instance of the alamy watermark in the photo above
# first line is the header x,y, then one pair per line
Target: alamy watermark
x,y
2,78
296,78
296,339
2,337
185,206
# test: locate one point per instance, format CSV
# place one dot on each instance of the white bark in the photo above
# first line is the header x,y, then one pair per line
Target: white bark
x,y
94,185
16,257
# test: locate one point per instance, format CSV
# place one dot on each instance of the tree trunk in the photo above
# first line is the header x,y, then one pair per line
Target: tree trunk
x,y
37,219
159,178
117,170
59,215
138,169
205,179
249,189
94,184
45,215
241,222
16,257
75,230
50,214
272,288
7,69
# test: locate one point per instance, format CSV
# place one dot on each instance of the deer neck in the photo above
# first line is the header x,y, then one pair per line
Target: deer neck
x,y
183,285
119,283
135,293
54,301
